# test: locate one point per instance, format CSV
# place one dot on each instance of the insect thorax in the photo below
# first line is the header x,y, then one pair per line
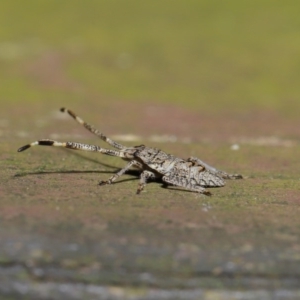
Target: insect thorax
x,y
156,159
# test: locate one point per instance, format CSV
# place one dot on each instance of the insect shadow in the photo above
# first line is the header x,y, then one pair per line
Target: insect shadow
x,y
134,173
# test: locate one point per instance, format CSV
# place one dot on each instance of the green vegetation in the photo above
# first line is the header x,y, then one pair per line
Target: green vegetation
x,y
210,55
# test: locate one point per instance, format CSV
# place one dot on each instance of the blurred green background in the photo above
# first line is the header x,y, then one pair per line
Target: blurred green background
x,y
205,55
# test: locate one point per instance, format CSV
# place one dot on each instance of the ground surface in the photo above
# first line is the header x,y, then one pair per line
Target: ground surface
x,y
223,88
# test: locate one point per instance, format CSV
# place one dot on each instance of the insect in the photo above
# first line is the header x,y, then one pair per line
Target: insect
x,y
191,174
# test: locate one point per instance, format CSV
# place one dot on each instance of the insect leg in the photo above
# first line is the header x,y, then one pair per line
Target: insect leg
x,y
144,177
213,170
121,172
182,182
74,146
92,129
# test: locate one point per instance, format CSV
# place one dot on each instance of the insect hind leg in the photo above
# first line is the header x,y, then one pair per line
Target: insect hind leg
x,y
213,170
92,129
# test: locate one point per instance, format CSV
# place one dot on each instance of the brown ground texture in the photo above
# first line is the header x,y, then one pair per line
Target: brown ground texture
x,y
59,227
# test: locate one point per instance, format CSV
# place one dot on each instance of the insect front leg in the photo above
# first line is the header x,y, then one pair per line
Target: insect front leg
x,y
121,172
197,161
144,177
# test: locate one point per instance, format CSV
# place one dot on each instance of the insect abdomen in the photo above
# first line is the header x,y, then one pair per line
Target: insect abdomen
x,y
207,179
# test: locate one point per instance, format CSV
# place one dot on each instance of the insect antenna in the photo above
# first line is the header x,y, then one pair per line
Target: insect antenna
x,y
92,129
73,146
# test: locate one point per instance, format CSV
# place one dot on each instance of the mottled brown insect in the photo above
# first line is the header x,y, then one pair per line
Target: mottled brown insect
x,y
191,174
